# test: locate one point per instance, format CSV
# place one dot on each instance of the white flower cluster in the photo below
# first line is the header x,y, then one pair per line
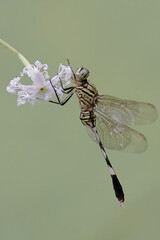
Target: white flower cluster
x,y
41,88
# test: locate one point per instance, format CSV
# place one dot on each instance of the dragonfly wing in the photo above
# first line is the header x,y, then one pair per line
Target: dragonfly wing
x,y
126,111
117,136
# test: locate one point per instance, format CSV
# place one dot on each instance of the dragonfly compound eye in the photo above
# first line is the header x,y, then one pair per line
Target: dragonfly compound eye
x,y
82,73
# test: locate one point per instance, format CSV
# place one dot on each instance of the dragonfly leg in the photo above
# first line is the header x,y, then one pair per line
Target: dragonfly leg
x,y
64,90
116,184
71,69
60,102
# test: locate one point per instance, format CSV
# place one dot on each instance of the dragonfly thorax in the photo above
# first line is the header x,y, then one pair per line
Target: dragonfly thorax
x,y
87,95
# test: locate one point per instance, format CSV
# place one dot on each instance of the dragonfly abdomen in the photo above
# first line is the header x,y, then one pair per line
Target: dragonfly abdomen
x,y
88,118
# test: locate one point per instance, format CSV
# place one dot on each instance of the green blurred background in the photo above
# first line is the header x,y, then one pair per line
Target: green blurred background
x,y
54,183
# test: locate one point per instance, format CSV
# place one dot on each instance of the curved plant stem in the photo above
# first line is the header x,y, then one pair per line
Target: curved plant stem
x,y
19,55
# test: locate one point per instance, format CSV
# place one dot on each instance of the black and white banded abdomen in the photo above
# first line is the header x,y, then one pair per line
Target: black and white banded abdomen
x,y
88,118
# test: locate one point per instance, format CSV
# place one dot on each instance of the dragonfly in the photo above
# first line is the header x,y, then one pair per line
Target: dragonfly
x,y
108,120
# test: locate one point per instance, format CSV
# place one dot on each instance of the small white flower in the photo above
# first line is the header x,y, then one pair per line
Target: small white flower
x,y
64,74
41,89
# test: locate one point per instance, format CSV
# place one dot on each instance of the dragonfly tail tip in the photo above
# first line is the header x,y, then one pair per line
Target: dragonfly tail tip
x,y
121,203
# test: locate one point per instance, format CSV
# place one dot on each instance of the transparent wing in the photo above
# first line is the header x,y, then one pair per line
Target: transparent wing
x,y
117,136
126,111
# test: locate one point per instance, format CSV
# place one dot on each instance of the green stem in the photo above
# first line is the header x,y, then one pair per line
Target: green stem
x,y
19,55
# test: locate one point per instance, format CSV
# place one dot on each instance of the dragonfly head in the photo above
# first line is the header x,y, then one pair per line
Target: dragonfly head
x,y
82,74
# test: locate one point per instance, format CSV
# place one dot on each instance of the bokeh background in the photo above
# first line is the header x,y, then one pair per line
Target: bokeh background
x,y
54,183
